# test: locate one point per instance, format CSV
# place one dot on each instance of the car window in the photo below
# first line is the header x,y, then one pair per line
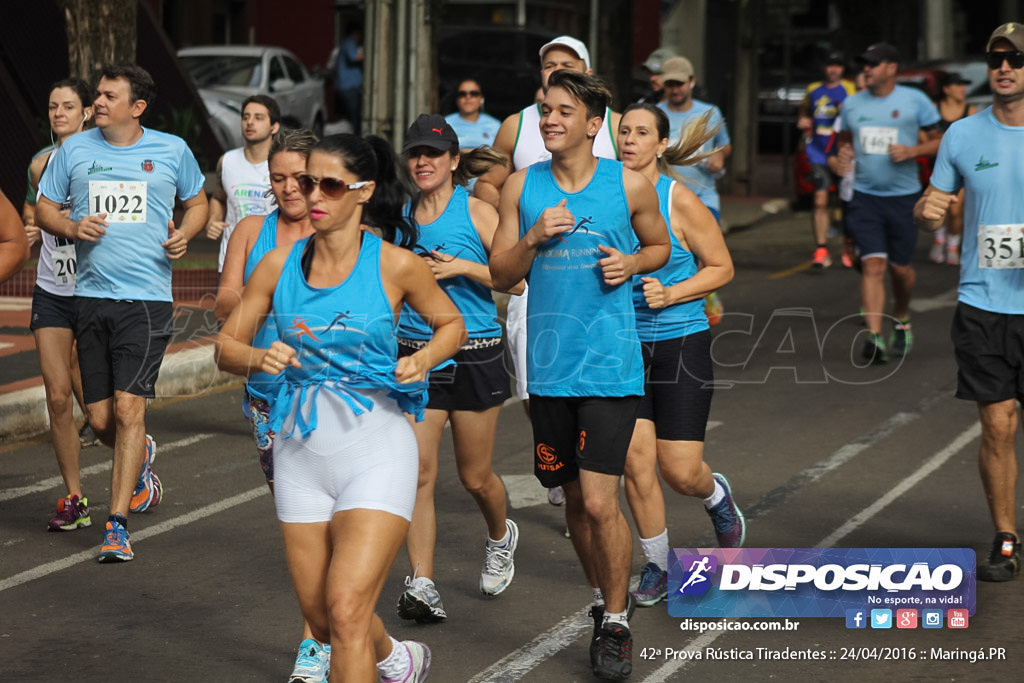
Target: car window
x,y
293,68
213,70
276,70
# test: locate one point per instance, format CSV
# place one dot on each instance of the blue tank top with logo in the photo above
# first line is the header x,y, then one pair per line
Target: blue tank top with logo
x,y
263,384
344,337
674,321
453,234
581,332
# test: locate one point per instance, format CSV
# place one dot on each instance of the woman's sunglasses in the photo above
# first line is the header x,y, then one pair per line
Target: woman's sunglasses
x,y
332,188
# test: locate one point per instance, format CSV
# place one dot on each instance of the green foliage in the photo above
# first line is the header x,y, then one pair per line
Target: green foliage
x,y
186,123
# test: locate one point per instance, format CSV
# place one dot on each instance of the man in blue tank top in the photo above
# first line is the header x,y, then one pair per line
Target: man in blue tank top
x,y
123,180
569,225
983,154
880,127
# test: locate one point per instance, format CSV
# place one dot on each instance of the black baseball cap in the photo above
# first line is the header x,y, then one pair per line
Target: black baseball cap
x,y
430,130
952,78
835,58
880,52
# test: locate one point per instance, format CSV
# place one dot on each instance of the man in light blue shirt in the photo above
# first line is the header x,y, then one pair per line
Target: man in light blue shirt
x,y
984,154
880,127
123,180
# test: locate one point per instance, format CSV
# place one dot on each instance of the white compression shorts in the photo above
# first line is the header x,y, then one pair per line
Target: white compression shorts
x,y
349,461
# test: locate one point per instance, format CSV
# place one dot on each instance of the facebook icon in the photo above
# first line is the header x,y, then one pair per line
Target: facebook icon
x,y
856,618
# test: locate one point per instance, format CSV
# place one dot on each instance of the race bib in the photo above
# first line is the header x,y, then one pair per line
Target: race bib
x,y
124,201
64,263
1001,246
877,139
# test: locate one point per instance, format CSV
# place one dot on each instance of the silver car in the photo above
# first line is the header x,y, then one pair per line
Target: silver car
x,y
225,75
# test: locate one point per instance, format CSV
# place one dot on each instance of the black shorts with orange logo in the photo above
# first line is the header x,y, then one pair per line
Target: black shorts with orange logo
x,y
571,433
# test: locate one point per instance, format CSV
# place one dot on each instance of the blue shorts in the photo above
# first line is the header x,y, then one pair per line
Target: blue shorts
x,y
883,226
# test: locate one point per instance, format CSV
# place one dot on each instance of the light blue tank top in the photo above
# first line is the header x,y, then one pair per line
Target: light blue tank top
x,y
344,337
453,234
581,333
681,319
262,384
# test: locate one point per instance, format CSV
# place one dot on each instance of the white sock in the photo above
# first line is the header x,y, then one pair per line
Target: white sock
x,y
396,666
598,597
656,549
715,498
940,235
953,241
491,543
615,618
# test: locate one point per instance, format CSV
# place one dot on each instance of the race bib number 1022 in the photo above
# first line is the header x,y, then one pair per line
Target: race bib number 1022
x,y
123,201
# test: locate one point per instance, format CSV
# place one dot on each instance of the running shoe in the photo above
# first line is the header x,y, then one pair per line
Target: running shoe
x,y
849,258
117,546
653,586
1003,561
421,602
874,352
612,658
72,513
713,308
499,563
148,489
730,525
821,258
87,437
313,663
902,339
937,254
597,614
953,256
556,495
419,666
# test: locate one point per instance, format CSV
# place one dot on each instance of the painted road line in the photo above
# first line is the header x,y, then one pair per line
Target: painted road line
x,y
53,482
136,536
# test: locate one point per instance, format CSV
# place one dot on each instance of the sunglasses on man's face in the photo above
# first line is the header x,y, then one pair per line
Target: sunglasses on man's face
x,y
469,93
332,188
1014,59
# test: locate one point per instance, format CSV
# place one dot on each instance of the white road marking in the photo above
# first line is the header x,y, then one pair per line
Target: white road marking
x,y
947,299
53,482
5,345
141,535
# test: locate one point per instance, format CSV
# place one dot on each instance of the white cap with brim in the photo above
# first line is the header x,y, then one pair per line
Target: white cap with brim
x,y
572,44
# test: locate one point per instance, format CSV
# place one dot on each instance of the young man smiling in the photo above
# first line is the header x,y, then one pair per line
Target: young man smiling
x,y
570,226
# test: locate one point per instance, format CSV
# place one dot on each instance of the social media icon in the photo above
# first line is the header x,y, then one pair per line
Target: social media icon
x,y
931,618
957,618
881,618
906,618
856,618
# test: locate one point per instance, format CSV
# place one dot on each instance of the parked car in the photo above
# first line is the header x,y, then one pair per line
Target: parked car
x,y
225,75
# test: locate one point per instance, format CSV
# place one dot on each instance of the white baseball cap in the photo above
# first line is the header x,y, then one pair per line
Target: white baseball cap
x,y
573,44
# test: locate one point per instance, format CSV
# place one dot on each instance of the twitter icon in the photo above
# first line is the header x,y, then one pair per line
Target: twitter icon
x,y
881,618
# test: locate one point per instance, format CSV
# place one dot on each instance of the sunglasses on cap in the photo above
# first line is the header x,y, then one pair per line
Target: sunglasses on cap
x,y
332,188
469,93
1014,59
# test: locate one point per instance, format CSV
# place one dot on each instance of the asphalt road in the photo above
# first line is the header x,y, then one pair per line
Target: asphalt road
x,y
819,453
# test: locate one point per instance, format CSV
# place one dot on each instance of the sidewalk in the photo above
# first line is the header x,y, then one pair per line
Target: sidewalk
x,y
188,368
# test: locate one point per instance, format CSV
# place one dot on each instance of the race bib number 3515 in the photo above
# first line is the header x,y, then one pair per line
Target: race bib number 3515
x,y
1001,246
122,201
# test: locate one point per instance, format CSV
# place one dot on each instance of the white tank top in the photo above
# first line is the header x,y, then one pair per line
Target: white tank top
x,y
247,187
529,148
55,272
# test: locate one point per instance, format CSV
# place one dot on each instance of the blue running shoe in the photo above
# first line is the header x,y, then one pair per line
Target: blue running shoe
x,y
117,546
313,663
148,489
730,526
653,586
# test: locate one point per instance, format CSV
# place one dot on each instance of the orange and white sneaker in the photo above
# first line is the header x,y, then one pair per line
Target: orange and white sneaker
x,y
821,258
117,546
148,489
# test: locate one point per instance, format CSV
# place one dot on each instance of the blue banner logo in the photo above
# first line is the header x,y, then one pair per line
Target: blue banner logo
x,y
821,582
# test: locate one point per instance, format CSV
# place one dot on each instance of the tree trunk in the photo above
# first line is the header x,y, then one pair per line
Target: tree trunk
x,y
100,32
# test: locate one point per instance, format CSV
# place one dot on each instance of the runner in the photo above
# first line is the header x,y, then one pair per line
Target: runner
x,y
455,232
53,309
252,239
345,457
670,321
981,154
243,180
123,179
471,123
570,225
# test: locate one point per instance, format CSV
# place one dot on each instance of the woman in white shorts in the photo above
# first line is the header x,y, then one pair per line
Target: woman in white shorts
x,y
345,460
